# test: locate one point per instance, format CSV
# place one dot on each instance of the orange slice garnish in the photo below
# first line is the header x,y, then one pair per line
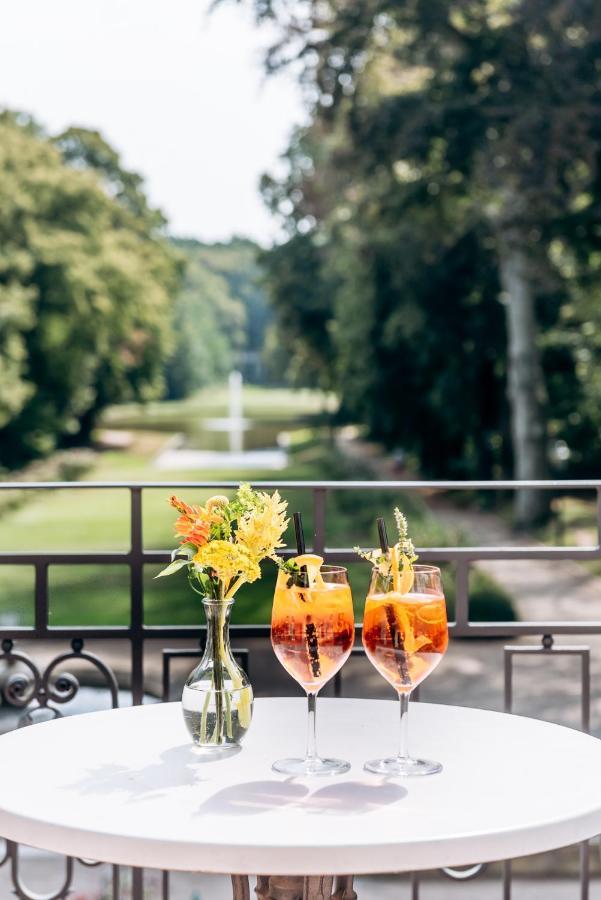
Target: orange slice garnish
x,y
313,564
431,614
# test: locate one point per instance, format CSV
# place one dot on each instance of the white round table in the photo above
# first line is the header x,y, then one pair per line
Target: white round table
x,y
126,787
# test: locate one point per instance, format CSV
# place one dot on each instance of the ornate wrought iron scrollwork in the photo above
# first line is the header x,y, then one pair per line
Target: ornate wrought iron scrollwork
x,y
22,688
32,689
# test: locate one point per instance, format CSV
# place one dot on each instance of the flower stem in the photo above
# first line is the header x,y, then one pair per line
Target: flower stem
x,y
237,584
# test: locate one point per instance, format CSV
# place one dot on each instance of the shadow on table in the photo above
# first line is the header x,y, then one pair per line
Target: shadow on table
x,y
348,797
178,767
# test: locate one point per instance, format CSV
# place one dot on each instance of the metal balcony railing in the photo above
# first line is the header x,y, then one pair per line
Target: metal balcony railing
x,y
32,686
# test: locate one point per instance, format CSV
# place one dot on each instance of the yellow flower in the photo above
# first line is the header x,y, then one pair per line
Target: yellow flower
x,y
227,561
216,503
260,530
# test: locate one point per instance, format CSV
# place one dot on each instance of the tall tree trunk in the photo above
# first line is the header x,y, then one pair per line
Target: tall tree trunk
x,y
525,379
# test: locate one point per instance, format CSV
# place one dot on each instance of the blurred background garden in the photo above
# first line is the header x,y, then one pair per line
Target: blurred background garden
x,y
384,216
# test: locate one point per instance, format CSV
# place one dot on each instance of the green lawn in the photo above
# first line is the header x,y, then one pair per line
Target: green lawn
x,y
89,519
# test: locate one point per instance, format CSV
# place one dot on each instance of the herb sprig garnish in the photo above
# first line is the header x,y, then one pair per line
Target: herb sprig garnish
x,y
293,570
399,559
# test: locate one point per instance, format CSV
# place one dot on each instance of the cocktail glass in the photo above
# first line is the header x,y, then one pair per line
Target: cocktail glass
x,y
312,633
405,636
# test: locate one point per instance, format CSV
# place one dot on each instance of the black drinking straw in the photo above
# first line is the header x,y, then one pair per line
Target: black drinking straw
x,y
382,535
300,546
393,626
299,533
310,631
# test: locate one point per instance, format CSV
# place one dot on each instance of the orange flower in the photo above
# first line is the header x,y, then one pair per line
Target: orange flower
x,y
198,533
183,508
192,531
191,527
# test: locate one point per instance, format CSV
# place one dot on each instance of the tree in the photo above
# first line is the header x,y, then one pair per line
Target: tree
x,y
301,353
221,315
237,262
208,324
87,279
487,102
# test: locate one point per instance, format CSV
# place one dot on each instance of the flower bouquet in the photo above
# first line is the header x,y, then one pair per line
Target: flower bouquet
x,y
222,545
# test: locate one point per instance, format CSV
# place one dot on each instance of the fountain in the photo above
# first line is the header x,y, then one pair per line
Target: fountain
x,y
236,422
236,457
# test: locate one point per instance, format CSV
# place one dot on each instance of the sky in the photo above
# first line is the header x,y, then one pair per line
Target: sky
x,y
179,92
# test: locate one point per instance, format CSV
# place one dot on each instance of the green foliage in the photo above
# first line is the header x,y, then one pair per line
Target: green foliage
x,y
301,349
440,134
85,149
488,601
238,262
85,289
208,325
220,316
402,317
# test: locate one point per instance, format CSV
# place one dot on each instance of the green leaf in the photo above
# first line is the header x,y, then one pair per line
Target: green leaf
x,y
184,551
175,566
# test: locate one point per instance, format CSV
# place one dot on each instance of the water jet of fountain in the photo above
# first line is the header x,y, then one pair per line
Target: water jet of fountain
x,y
236,420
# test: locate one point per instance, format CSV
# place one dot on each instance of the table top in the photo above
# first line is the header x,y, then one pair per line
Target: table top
x,y
125,786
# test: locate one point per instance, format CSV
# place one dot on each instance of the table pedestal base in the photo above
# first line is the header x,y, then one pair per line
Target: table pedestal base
x,y
296,887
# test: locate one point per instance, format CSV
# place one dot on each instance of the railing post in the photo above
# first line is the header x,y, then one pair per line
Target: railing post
x,y
508,680
585,872
462,585
137,884
507,880
116,883
414,886
41,599
137,597
319,520
585,723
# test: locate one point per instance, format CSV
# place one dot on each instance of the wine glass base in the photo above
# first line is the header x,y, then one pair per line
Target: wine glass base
x,y
315,766
404,766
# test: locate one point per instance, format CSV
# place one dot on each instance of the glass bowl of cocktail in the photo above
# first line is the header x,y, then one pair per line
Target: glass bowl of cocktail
x,y
405,633
312,633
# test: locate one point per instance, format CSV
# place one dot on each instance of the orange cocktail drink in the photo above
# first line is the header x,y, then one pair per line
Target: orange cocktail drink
x,y
405,632
405,635
312,633
312,630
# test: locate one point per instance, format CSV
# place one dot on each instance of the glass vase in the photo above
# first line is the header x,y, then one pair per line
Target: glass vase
x,y
217,699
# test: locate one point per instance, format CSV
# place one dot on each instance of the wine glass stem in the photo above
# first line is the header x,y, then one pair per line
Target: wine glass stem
x,y
311,728
404,737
